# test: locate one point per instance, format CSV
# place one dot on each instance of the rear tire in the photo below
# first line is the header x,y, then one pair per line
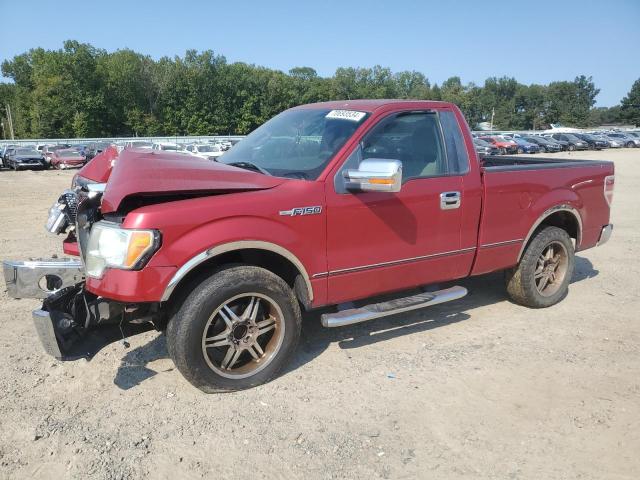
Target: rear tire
x,y
572,148
541,278
215,339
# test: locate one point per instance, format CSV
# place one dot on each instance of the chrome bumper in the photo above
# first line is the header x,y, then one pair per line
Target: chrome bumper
x,y
40,278
605,234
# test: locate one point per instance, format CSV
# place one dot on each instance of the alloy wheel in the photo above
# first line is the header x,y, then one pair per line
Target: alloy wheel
x,y
243,335
551,269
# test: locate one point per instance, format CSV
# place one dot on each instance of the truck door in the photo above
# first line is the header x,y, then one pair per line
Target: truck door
x,y
378,241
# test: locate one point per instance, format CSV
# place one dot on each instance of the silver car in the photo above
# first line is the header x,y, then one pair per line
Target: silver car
x,y
624,139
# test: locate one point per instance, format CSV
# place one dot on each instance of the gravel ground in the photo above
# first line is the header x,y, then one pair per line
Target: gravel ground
x,y
479,388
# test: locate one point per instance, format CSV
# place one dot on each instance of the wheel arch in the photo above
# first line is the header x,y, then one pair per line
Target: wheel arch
x,y
563,216
267,255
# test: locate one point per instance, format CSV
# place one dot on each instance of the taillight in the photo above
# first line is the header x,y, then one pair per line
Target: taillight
x,y
609,183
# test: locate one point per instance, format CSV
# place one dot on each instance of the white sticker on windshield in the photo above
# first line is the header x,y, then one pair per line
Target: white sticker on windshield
x,y
346,115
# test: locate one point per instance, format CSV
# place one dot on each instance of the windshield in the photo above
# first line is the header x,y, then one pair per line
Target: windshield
x,y
27,151
297,143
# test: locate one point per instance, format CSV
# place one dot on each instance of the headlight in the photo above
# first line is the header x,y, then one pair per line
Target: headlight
x,y
56,218
111,246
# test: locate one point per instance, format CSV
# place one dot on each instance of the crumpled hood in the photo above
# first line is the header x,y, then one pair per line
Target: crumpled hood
x,y
140,172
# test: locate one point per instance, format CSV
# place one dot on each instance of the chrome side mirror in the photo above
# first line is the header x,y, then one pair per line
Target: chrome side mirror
x,y
375,175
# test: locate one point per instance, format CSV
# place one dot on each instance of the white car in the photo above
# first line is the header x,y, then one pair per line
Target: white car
x,y
206,151
168,147
138,144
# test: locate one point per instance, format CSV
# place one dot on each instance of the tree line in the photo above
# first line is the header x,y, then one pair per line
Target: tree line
x,y
83,91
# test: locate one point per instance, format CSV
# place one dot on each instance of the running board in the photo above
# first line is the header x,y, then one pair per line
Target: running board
x,y
399,305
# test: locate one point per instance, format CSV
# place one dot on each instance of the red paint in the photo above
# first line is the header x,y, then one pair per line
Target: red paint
x,y
67,158
144,172
70,247
354,230
98,169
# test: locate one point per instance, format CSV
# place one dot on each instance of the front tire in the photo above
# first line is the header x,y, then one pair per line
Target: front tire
x,y
235,330
541,278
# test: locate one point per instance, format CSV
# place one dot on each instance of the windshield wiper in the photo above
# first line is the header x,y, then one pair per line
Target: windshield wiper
x,y
249,166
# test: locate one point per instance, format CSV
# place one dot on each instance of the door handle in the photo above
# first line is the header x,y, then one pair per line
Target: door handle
x,y
450,200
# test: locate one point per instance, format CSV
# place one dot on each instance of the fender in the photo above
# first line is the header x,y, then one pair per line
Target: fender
x,y
547,213
229,247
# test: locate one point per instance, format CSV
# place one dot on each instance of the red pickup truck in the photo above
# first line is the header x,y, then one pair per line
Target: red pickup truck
x,y
323,205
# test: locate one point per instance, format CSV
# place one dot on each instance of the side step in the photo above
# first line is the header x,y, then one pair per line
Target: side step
x,y
399,305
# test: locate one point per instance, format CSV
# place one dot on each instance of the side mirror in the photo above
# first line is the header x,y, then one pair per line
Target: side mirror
x,y
375,175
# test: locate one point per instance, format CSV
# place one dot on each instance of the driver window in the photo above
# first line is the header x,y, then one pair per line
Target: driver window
x,y
413,138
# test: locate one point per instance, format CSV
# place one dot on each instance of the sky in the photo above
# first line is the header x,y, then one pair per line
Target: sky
x,y
537,41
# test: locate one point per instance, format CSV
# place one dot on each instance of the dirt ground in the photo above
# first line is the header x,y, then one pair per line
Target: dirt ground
x,y
479,388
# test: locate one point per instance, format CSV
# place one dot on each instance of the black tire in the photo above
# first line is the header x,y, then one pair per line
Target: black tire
x,y
521,281
520,150
630,145
190,325
542,149
503,151
572,148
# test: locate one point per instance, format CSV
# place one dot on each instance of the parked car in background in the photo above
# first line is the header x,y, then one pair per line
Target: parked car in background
x,y
505,145
96,148
49,150
5,150
67,158
485,148
138,144
611,143
82,148
593,142
545,144
167,147
19,158
573,142
625,140
206,151
525,146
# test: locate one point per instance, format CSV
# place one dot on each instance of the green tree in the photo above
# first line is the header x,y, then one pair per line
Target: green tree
x,y
630,105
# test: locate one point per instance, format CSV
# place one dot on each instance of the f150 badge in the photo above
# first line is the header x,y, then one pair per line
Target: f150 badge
x,y
294,212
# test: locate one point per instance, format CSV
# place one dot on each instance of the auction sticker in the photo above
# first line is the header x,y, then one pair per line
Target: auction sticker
x,y
346,115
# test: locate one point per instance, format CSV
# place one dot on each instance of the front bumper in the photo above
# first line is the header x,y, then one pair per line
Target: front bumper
x,y
73,324
40,278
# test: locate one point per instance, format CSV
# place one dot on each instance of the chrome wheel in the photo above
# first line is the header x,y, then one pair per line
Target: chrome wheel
x,y
243,335
551,269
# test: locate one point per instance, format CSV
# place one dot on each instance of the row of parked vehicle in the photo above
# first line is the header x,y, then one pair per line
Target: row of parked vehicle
x,y
43,156
62,156
512,143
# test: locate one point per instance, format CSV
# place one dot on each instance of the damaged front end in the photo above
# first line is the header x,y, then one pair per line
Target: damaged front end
x,y
74,323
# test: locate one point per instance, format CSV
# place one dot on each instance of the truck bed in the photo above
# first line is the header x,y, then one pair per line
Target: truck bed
x,y
518,191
